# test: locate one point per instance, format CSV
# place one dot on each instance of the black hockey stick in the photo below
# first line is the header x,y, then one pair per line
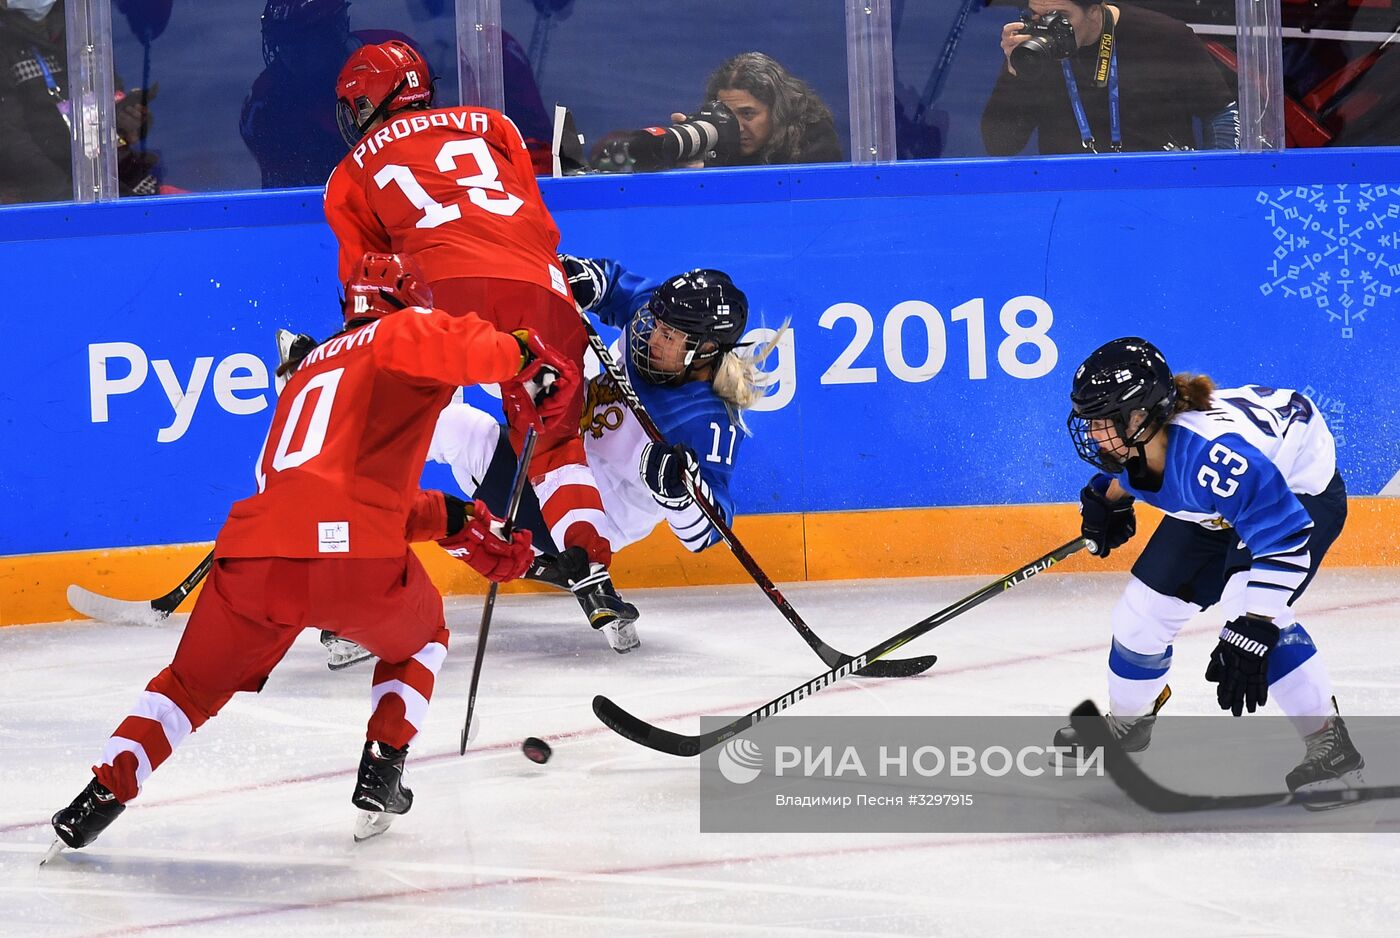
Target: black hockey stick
x,y
517,491
136,611
830,656
155,611
678,744
1159,799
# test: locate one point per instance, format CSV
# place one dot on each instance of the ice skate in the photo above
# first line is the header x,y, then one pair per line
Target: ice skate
x,y
89,815
343,652
1133,734
379,791
606,610
1331,763
545,569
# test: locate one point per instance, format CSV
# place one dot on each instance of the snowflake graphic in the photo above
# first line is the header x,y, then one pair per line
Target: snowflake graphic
x,y
1338,248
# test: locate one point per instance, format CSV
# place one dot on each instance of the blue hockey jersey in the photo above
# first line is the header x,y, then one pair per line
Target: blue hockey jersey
x,y
691,414
1242,463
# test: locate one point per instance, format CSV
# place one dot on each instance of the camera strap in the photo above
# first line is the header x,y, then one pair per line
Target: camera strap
x,y
1105,72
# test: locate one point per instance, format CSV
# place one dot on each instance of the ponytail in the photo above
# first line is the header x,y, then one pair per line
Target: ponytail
x,y
1193,392
738,380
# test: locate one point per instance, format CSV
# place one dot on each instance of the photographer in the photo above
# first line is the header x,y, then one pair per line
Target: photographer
x,y
1086,76
781,119
755,113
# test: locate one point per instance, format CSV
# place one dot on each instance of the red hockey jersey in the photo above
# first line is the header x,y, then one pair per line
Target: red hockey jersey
x,y
455,188
339,470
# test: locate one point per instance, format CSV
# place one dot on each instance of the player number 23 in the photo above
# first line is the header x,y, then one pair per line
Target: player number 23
x,y
479,185
1227,459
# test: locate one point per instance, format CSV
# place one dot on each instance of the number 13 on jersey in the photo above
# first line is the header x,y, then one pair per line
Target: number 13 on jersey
x,y
479,185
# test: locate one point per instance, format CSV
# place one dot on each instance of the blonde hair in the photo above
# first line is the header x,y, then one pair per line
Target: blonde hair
x,y
738,380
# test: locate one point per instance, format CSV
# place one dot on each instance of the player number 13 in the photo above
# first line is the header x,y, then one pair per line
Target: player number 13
x,y
485,180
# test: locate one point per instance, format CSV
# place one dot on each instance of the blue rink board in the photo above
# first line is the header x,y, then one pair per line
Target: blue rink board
x,y
1279,269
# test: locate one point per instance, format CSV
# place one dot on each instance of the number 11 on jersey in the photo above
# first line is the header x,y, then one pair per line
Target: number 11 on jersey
x,y
713,455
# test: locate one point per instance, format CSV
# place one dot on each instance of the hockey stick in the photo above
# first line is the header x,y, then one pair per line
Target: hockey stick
x,y
1159,799
830,656
678,744
153,612
135,611
517,491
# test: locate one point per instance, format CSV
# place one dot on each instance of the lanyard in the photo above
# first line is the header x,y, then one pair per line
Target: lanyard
x,y
1086,136
54,92
1115,128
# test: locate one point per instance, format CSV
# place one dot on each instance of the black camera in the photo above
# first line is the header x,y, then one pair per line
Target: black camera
x,y
711,133
1052,39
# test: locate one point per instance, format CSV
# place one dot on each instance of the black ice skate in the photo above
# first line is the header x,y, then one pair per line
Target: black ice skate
x,y
379,791
89,815
1133,735
606,611
545,569
343,652
1331,764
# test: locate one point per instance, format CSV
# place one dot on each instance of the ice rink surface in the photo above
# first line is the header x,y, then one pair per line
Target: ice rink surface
x,y
246,830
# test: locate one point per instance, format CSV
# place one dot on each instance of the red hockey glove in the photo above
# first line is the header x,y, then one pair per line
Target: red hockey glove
x,y
540,393
481,546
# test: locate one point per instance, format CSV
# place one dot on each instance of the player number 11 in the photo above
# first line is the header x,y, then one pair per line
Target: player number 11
x,y
713,455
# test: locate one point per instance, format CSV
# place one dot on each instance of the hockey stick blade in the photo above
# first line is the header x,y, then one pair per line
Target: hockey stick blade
x,y
900,667
678,744
135,611
830,656
114,611
1159,799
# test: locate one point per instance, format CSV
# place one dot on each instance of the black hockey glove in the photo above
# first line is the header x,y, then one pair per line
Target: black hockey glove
x,y
586,279
664,471
1239,666
1105,524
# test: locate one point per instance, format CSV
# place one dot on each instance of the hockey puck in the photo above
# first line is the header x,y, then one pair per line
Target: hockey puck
x,y
536,750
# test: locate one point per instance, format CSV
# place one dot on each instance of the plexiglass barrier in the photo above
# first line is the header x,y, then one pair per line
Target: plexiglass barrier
x,y
747,83
36,109
240,94
1063,77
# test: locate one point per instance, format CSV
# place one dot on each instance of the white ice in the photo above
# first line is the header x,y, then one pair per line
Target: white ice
x,y
247,829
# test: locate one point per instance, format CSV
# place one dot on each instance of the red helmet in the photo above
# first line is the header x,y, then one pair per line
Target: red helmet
x,y
377,81
384,284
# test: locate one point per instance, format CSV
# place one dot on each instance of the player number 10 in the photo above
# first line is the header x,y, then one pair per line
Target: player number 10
x,y
1036,334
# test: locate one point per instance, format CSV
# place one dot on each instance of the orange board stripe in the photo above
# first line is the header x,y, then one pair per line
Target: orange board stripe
x,y
819,546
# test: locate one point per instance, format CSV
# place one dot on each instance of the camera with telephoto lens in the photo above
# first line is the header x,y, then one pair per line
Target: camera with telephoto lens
x,y
1052,39
710,133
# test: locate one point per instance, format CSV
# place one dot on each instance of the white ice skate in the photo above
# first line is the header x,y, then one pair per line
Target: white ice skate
x,y
621,635
343,652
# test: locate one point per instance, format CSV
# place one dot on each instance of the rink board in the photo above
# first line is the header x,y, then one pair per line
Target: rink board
x,y
937,312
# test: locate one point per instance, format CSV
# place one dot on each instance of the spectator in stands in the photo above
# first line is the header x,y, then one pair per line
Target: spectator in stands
x,y
1126,79
35,140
